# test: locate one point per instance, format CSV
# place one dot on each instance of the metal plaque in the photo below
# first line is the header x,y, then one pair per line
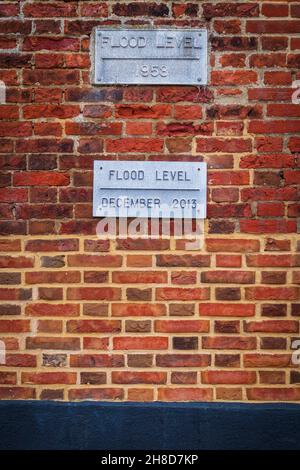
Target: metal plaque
x,y
157,57
149,189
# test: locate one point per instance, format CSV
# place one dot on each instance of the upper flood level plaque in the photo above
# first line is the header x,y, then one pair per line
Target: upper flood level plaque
x,y
144,56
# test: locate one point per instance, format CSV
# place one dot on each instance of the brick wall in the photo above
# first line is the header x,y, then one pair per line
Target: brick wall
x,y
84,318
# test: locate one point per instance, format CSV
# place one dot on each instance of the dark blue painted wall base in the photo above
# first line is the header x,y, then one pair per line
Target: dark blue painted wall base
x,y
155,426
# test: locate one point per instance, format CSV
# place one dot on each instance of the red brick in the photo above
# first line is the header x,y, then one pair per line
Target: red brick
x,y
277,78
99,261
271,377
273,244
16,262
188,112
52,111
96,360
273,394
50,326
59,310
294,144
270,94
270,209
295,43
230,245
95,9
41,378
12,129
175,293
138,128
231,277
273,127
53,343
57,277
138,310
185,394
282,110
295,11
140,9
272,26
139,261
267,360
270,9
92,128
13,195
133,277
228,178
95,343
276,43
67,244
228,342
272,326
93,293
181,326
267,226
10,245
227,26
183,277
47,129
183,360
129,377
96,394
211,145
35,178
93,326
190,9
225,194
230,128
226,310
8,378
176,94
135,111
292,176
236,77
272,293
140,145
51,77
48,10
183,260
184,378
269,260
17,393
14,326
228,377
134,343
228,261
51,44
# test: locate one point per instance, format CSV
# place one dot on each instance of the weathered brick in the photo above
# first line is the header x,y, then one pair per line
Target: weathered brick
x,y
85,317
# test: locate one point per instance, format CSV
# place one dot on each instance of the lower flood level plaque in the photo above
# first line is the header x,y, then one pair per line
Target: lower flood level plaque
x,y
149,189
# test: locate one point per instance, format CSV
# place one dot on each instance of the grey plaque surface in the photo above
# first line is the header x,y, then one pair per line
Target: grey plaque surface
x,y
149,189
144,56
